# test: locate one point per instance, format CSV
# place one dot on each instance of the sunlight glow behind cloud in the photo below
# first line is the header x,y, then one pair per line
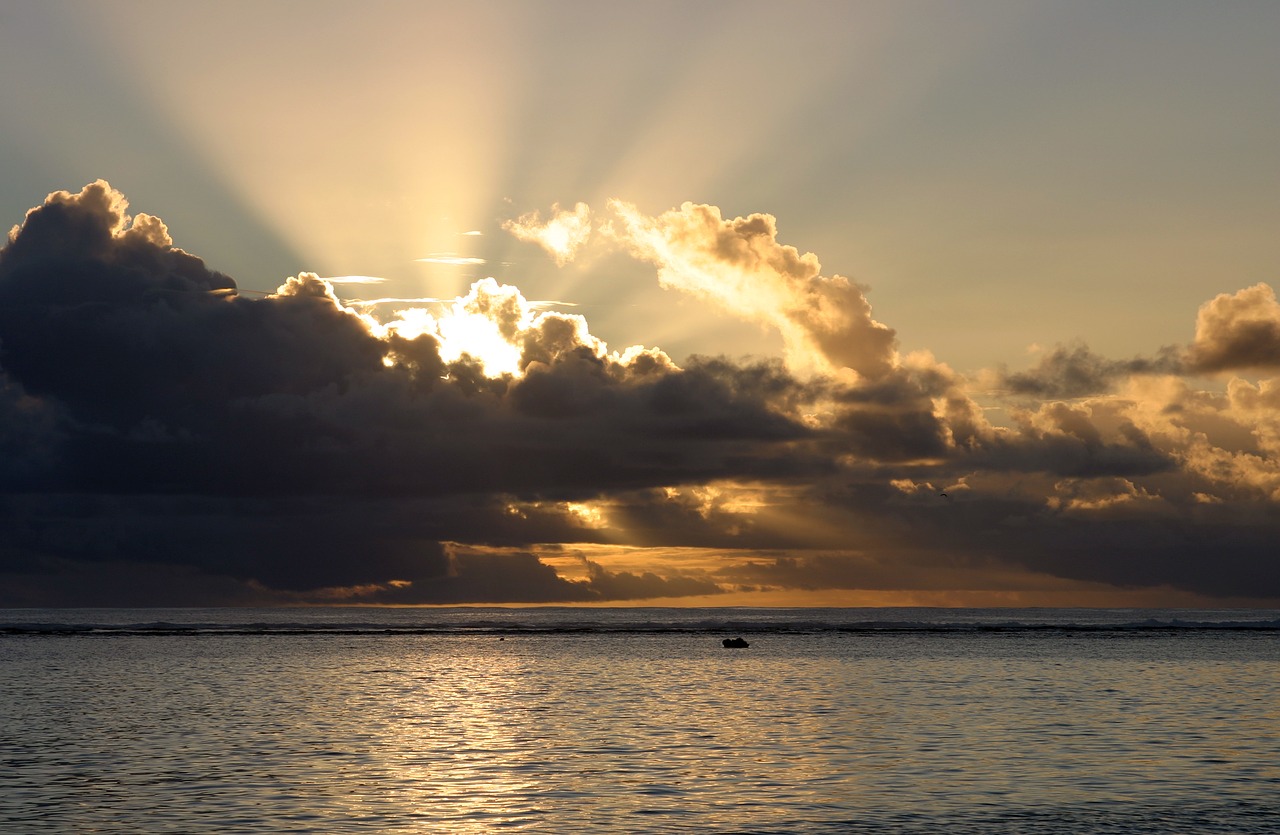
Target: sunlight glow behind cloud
x,y
825,482
1002,174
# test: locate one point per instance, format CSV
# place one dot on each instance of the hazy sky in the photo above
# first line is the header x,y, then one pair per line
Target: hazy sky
x,y
933,302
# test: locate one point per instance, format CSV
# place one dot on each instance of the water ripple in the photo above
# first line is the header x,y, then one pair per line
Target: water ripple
x,y
805,733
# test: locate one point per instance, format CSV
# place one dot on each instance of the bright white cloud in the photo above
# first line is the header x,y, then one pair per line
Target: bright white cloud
x,y
354,279
739,265
497,326
561,235
450,259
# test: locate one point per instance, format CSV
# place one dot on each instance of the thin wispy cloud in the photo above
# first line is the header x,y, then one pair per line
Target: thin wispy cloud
x,y
395,300
414,300
451,259
355,279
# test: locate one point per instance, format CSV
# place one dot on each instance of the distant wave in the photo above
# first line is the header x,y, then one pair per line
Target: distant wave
x,y
470,621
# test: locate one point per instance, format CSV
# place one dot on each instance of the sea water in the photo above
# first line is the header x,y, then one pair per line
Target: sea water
x,y
639,720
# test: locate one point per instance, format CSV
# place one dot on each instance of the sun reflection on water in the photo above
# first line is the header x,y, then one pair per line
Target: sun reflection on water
x,y
632,733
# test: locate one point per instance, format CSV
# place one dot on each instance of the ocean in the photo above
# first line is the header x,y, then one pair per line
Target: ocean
x,y
639,721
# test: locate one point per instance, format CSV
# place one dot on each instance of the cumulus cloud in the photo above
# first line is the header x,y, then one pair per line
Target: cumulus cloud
x,y
165,439
739,264
132,370
1238,331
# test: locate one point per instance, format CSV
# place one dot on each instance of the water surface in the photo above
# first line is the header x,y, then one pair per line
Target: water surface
x,y
639,721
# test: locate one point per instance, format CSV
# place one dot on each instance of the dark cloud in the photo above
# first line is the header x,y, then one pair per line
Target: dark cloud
x,y
167,440
1075,371
625,585
1064,441
173,386
30,441
1001,533
165,419
125,330
1238,331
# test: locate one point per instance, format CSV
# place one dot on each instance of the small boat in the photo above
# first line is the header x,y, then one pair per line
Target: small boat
x,y
735,643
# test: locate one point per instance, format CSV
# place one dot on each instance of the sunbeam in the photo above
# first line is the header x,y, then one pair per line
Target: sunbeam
x,y
722,276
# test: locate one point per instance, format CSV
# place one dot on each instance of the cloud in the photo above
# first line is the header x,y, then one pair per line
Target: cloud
x,y
1076,371
1238,331
625,585
355,279
167,439
739,264
561,235
126,377
451,259
30,441
400,300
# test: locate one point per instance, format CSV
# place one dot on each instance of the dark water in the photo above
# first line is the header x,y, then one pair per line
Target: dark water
x,y
554,720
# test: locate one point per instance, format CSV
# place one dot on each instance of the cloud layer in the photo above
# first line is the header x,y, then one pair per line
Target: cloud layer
x,y
164,439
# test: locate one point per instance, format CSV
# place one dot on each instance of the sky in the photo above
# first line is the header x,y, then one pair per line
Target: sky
x,y
864,303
